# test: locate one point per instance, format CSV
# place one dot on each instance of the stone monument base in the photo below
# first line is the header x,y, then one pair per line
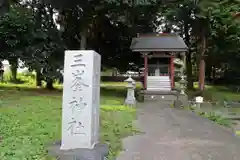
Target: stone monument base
x,y
99,152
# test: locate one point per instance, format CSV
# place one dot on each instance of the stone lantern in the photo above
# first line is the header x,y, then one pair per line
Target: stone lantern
x,y
183,83
130,100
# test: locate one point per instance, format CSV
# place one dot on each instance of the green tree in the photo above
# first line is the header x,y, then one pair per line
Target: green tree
x,y
31,35
46,48
14,33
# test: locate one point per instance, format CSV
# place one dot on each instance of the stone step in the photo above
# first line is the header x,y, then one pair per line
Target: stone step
x,y
159,97
153,79
163,80
159,89
167,85
158,84
158,77
159,81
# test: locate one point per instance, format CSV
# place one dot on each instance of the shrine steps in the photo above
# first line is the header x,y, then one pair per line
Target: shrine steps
x,y
159,95
159,83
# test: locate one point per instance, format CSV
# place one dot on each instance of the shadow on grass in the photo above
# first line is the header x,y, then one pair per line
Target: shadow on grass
x,y
29,90
109,91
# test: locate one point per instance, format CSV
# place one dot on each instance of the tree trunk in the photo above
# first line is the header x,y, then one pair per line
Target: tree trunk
x,y
189,71
214,73
202,65
188,57
1,75
208,70
14,65
83,43
49,84
202,74
38,78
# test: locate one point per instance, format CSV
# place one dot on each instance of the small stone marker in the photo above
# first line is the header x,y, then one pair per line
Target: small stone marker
x,y
81,105
130,100
199,101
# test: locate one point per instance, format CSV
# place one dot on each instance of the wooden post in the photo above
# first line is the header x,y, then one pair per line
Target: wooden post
x,y
172,71
145,70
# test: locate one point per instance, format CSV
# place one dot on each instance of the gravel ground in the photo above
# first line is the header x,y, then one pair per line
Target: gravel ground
x,y
172,134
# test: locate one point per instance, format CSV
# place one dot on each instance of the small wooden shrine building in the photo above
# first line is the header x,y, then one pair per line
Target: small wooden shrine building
x,y
158,51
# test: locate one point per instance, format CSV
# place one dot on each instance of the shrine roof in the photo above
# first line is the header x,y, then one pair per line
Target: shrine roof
x,y
166,42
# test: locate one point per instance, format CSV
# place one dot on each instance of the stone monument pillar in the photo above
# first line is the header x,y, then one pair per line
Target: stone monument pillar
x,y
81,108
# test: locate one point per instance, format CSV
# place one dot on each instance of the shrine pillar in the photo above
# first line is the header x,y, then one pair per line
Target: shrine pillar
x,y
172,71
145,56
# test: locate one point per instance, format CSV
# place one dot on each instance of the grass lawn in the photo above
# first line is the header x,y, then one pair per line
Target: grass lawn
x,y
223,93
30,120
216,93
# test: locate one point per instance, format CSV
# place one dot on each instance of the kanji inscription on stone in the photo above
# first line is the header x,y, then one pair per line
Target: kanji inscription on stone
x,y
81,99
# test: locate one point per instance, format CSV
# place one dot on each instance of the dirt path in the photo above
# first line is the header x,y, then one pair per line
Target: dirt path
x,y
172,134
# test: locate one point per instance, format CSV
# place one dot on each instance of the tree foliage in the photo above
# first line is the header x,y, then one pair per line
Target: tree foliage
x,y
108,26
35,41
208,29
